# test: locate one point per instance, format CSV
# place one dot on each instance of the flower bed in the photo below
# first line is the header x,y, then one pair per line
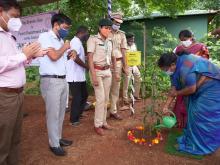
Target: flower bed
x,y
136,135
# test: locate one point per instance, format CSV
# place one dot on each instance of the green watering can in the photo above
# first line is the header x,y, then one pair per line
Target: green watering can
x,y
167,121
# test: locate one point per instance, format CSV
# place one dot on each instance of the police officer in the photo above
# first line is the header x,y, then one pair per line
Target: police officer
x,y
119,51
99,48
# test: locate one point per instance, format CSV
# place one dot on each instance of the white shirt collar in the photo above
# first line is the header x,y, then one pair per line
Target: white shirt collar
x,y
78,39
54,35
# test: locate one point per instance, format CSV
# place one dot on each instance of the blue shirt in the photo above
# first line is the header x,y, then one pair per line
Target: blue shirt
x,y
47,66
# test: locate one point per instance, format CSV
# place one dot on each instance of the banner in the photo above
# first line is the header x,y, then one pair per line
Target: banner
x,y
32,27
133,58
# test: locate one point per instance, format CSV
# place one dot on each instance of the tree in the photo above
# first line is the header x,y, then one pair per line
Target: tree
x,y
89,12
209,5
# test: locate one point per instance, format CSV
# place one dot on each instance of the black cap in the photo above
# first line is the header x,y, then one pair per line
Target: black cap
x,y
129,35
105,22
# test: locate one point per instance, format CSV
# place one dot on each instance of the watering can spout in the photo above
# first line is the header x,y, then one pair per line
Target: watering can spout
x,y
159,126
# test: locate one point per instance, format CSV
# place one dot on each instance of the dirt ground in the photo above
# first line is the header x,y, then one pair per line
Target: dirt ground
x,y
90,149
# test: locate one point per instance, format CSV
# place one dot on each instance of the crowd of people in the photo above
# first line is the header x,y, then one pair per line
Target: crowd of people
x,y
63,64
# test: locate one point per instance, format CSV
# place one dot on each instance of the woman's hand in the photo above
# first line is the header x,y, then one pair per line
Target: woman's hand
x,y
165,109
172,92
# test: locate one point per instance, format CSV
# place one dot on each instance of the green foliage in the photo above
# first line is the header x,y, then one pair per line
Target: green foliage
x,y
155,82
33,81
162,80
162,41
170,7
213,45
89,12
209,5
89,84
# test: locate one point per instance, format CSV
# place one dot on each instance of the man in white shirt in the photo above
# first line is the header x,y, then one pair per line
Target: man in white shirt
x,y
76,77
53,80
133,70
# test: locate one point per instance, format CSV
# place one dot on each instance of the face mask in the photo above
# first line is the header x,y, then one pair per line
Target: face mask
x,y
169,73
14,24
186,43
63,33
115,27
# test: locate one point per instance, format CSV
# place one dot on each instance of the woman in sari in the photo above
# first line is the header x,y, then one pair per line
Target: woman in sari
x,y
198,80
188,44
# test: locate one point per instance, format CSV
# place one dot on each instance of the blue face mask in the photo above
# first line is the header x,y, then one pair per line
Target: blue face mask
x,y
63,33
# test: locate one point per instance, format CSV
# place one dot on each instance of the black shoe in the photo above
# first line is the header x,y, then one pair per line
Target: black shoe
x,y
75,124
58,151
25,114
82,116
64,142
67,110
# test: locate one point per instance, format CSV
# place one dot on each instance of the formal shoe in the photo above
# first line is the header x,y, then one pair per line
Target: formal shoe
x,y
64,142
25,114
75,123
58,151
116,116
108,127
99,131
82,116
137,98
67,109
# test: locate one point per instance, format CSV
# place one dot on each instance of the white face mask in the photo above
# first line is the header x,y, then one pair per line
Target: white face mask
x,y
115,27
169,73
186,43
14,24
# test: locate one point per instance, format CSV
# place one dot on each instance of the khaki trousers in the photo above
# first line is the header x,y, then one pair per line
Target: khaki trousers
x,y
115,89
104,78
137,82
11,105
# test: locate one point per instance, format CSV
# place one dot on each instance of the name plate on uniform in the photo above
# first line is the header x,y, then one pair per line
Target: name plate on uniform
x,y
133,58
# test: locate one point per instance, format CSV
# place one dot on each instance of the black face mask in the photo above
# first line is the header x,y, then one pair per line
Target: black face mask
x,y
85,37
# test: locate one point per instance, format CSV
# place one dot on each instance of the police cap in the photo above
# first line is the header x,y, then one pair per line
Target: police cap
x,y
105,22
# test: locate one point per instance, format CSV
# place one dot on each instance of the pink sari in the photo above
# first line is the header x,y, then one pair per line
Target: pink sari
x,y
179,108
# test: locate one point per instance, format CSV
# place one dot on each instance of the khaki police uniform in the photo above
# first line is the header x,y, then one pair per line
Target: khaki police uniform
x,y
102,52
119,42
133,70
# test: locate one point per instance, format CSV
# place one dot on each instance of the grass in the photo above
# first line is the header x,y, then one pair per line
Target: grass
x,y
171,142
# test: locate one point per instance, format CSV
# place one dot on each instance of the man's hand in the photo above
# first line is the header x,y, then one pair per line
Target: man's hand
x,y
31,50
94,81
41,53
117,77
66,45
125,70
72,55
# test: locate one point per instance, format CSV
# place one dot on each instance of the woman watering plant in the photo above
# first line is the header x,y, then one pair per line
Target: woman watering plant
x,y
198,80
188,44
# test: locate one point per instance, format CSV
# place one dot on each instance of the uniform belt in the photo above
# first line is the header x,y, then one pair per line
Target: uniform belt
x,y
101,67
119,59
11,90
53,76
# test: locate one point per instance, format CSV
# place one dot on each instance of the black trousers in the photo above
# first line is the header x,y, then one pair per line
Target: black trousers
x,y
80,95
